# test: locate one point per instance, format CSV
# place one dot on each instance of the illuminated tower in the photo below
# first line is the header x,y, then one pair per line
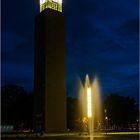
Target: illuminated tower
x,y
50,68
52,4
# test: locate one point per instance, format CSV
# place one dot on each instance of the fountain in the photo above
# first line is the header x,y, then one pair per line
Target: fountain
x,y
90,104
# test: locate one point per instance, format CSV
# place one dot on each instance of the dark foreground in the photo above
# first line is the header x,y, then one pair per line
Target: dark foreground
x,y
101,136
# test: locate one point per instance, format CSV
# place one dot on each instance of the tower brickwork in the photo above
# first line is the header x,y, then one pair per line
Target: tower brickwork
x,y
50,71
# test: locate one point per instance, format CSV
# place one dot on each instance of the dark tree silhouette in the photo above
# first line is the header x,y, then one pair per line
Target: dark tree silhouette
x,y
121,110
17,106
72,112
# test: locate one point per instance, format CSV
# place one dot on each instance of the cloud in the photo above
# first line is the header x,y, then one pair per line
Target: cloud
x,y
19,16
16,49
21,74
130,29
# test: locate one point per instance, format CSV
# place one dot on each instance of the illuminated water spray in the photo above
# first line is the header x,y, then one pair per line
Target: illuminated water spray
x,y
90,103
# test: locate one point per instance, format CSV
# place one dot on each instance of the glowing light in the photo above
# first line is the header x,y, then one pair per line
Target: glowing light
x,y
52,4
42,1
89,103
59,1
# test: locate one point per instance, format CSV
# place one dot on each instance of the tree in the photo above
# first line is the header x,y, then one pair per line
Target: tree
x,y
121,110
17,106
72,113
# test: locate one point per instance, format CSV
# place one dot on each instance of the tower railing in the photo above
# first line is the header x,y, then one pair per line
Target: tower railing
x,y
52,5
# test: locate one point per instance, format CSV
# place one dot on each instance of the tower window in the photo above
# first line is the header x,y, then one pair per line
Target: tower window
x,y
52,4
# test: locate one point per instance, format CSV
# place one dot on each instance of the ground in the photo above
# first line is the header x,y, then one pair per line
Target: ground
x,y
76,136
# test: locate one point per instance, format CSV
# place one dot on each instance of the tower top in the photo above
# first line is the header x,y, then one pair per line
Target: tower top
x,y
52,4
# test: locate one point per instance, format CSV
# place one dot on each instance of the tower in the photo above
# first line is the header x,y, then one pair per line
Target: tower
x,y
50,68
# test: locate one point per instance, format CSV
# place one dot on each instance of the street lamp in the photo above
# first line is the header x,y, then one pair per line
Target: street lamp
x,y
106,118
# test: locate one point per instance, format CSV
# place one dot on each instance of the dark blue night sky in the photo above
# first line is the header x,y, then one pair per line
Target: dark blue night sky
x,y
102,39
